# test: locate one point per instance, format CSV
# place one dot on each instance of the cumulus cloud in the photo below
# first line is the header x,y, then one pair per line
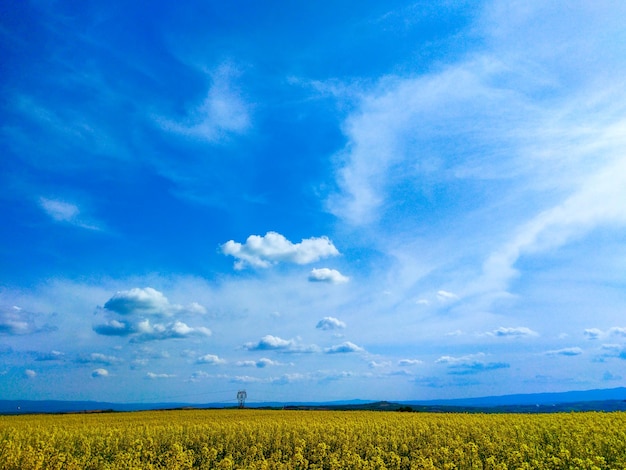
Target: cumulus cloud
x,y
470,364
210,359
575,351
147,301
331,276
114,328
593,333
379,365
50,356
516,332
15,321
264,251
274,343
99,358
330,323
176,330
135,304
146,331
98,373
153,376
199,375
346,347
261,363
269,342
409,362
617,331
596,333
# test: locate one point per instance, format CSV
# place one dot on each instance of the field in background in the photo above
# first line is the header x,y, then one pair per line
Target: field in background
x,y
313,439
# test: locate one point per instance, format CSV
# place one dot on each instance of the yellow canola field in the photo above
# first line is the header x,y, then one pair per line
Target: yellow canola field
x,y
263,439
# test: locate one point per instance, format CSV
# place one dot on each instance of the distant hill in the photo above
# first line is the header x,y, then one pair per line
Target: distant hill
x,y
533,398
590,400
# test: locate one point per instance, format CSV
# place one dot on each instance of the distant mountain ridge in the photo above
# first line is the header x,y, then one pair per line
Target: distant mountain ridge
x,y
613,399
552,398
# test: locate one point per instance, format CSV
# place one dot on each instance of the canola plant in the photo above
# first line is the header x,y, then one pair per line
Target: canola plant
x,y
266,439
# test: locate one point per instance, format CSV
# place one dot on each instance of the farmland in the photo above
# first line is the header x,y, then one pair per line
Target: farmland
x,y
274,439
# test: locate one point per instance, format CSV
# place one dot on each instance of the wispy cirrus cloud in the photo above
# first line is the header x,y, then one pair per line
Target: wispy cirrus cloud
x,y
222,113
62,211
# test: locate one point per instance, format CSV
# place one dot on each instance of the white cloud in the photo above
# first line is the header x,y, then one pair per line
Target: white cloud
x,y
159,331
62,211
346,347
593,204
15,321
51,356
99,358
516,332
331,276
146,301
330,323
269,342
264,251
114,328
59,210
379,365
274,343
199,375
470,364
575,351
596,333
222,113
137,303
261,363
210,359
409,362
153,376
266,362
593,333
30,374
445,296
617,331
97,373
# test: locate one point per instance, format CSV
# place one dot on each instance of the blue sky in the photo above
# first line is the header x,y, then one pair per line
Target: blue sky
x,y
311,200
